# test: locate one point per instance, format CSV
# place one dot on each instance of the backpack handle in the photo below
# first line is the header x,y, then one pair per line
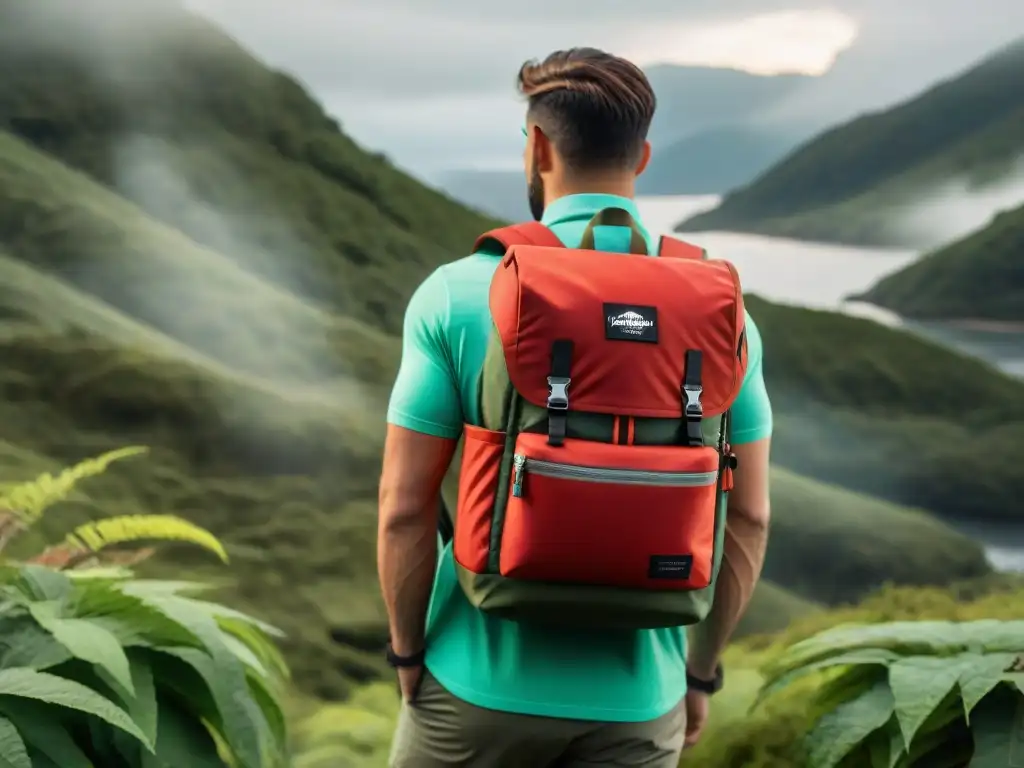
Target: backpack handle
x,y
615,217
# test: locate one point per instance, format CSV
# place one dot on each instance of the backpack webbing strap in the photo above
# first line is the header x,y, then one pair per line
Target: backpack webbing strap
x,y
558,390
527,233
693,410
445,527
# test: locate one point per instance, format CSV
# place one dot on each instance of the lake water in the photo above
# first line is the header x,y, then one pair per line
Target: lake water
x,y
819,275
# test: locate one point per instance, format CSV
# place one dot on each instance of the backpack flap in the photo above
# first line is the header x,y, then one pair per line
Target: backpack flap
x,y
632,323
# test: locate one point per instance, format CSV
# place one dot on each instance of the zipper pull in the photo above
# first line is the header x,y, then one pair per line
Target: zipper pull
x,y
518,470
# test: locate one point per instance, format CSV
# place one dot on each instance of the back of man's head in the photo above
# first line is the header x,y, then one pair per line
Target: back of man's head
x,y
593,107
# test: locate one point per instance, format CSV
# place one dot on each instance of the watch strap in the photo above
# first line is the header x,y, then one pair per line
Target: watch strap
x,y
708,687
396,661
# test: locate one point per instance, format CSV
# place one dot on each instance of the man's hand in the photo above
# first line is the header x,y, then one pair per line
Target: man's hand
x,y
697,705
409,679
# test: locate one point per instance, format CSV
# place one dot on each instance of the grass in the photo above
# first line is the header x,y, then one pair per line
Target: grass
x,y
212,269
980,276
855,182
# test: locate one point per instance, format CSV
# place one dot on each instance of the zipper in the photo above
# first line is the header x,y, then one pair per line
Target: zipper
x,y
518,470
520,465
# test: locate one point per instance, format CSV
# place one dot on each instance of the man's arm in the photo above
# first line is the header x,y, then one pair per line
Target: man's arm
x,y
414,466
424,423
746,532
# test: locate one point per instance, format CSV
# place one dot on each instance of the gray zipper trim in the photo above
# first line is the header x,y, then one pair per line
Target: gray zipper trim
x,y
523,466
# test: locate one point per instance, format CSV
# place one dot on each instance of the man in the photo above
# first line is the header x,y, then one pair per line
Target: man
x,y
491,693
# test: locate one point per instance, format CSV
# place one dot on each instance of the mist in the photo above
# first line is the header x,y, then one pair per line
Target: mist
x,y
234,276
958,207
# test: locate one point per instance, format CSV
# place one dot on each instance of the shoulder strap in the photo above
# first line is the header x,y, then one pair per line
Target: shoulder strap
x,y
671,248
528,233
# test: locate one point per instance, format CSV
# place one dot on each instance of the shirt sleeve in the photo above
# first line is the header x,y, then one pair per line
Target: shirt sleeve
x,y
752,411
425,397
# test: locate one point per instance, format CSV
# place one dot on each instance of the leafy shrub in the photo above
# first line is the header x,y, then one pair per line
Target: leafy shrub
x,y
98,668
911,694
354,734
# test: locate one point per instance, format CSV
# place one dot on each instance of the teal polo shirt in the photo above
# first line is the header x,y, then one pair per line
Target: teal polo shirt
x,y
615,675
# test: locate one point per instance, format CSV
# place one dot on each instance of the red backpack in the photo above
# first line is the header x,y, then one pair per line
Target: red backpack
x,y
595,491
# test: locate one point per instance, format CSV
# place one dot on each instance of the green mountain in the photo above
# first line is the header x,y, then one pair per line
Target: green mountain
x,y
861,181
979,277
715,160
193,257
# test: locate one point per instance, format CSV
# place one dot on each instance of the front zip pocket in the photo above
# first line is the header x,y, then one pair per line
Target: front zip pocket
x,y
611,515
522,465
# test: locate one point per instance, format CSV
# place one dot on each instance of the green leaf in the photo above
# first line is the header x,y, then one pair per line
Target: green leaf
x,y
978,680
142,707
998,730
270,707
870,656
851,683
26,644
838,732
901,637
42,583
993,635
183,740
162,588
885,746
259,643
919,685
41,686
45,733
90,642
129,618
13,753
233,700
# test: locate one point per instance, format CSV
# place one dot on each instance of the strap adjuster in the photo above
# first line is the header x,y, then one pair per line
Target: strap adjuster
x,y
558,393
692,407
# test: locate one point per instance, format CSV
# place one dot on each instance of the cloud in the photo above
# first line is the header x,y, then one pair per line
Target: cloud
x,y
431,81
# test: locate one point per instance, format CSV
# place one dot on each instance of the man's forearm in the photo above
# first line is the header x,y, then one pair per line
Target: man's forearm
x,y
406,561
745,544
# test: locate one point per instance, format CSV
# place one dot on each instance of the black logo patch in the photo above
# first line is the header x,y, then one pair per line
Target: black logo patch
x,y
630,322
670,567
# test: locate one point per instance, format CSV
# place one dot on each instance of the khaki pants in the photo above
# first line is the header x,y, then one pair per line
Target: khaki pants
x,y
440,730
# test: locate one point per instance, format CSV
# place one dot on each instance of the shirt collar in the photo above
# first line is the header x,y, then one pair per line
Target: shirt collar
x,y
584,206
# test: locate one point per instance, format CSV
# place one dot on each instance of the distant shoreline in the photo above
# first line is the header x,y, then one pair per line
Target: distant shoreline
x,y
975,324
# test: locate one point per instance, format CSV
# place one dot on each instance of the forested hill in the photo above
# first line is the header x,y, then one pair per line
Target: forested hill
x,y
978,277
170,112
852,182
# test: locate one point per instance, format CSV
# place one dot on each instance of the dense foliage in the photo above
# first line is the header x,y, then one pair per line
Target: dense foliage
x,y
100,668
911,693
980,276
852,182
774,733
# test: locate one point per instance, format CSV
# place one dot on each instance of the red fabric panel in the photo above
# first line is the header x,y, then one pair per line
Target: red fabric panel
x,y
539,295
603,533
478,486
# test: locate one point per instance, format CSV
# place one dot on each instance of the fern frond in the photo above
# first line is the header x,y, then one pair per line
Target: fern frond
x,y
99,534
27,501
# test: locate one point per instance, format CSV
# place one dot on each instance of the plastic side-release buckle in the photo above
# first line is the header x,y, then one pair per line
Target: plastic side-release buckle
x,y
558,393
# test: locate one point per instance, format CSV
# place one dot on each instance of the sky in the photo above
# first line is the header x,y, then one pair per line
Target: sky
x,y
431,82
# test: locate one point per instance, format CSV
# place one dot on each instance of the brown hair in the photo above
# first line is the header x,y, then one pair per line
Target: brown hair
x,y
596,108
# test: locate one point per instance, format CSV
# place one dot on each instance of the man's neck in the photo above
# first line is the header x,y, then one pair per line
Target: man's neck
x,y
595,186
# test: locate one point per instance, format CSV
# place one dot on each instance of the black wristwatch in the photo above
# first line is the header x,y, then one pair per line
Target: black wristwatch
x,y
396,661
709,687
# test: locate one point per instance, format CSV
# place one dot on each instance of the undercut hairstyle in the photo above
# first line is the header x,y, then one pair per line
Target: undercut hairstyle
x,y
594,107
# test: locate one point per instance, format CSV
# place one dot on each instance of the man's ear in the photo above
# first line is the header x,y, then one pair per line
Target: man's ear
x,y
543,150
645,158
